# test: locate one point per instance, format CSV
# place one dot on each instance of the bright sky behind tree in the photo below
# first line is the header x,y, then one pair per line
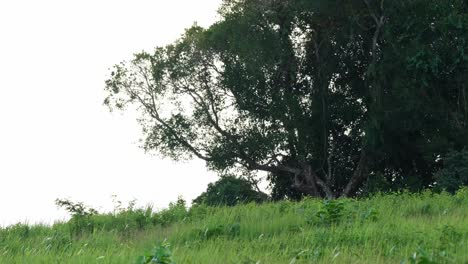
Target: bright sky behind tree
x,y
57,139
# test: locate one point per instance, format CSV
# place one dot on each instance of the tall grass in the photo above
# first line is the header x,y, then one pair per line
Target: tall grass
x,y
392,228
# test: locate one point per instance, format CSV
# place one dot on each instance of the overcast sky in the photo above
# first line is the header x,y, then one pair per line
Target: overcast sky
x,y
57,140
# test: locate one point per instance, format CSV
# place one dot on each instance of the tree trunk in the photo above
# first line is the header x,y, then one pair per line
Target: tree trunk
x,y
308,182
359,175
305,181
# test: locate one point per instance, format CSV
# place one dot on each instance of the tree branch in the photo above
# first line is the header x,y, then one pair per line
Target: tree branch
x,y
151,109
360,173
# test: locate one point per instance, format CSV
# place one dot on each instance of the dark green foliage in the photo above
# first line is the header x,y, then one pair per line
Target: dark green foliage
x,y
281,187
376,183
455,171
422,76
229,191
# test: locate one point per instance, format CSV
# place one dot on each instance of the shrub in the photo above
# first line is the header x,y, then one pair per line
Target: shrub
x,y
331,212
230,190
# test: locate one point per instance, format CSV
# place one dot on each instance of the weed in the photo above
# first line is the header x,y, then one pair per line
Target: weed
x,y
331,212
161,255
420,256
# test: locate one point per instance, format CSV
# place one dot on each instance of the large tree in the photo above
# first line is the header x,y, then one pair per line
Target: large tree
x,y
320,94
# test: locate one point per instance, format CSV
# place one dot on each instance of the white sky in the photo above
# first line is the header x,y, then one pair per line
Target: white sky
x,y
57,140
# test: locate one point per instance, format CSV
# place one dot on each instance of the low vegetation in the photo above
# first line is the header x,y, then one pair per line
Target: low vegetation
x,y
401,227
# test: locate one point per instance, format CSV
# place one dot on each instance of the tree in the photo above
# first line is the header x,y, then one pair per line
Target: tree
x,y
320,94
230,191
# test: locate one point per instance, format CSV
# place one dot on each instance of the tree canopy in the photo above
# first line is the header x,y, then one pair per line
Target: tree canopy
x,y
323,95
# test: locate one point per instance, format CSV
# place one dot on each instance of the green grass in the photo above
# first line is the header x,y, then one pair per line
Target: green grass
x,y
384,229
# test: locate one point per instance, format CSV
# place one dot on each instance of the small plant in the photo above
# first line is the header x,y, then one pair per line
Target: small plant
x,y
421,256
331,212
161,255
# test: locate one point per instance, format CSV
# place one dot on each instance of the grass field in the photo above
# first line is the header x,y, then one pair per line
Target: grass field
x,y
391,228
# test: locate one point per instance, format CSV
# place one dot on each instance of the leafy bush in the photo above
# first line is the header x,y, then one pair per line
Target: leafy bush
x,y
230,190
454,174
161,255
332,211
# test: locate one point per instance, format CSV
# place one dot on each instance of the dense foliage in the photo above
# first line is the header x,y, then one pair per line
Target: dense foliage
x,y
323,95
455,171
392,228
230,191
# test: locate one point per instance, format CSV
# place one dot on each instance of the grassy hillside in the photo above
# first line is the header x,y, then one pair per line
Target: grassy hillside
x,y
384,229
